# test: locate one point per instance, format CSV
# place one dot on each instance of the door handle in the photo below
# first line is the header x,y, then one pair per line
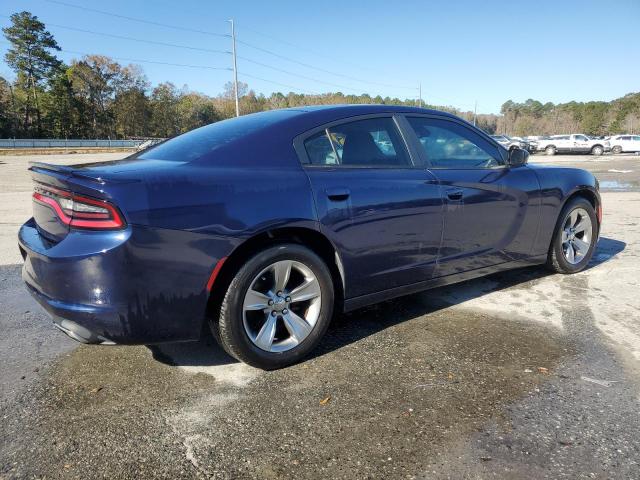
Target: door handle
x,y
455,194
338,194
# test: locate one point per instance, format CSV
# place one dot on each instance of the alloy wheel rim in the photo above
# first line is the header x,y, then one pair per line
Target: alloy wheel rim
x,y
577,234
281,306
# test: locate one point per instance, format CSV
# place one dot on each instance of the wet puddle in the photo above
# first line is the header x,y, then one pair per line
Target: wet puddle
x,y
618,186
389,388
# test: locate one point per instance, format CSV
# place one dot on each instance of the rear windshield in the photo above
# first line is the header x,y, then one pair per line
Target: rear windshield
x,y
204,140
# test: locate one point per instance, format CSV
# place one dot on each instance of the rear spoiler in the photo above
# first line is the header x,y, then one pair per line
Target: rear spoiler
x,y
71,172
63,169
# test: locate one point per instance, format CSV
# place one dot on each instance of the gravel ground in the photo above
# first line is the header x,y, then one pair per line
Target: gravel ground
x,y
518,375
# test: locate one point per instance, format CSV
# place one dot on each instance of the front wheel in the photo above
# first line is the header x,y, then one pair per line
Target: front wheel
x,y
277,307
575,237
550,150
597,150
617,149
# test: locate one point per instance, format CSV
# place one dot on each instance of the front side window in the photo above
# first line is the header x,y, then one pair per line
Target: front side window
x,y
451,145
581,138
373,142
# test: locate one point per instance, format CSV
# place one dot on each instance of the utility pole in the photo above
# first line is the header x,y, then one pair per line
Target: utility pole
x,y
420,95
475,112
235,67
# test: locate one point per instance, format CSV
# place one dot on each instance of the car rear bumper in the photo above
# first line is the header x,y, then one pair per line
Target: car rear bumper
x,y
133,286
73,319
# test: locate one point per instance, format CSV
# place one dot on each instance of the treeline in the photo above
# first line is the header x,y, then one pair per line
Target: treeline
x,y
96,97
593,118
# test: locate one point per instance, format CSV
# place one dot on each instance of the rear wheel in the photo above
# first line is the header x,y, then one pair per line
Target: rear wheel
x,y
550,150
277,307
575,237
597,150
617,149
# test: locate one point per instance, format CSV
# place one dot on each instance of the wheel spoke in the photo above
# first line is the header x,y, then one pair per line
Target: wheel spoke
x,y
565,236
580,246
308,290
570,253
573,218
264,339
281,272
583,225
254,300
297,326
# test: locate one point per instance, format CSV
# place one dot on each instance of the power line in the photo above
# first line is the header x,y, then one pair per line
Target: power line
x,y
135,19
126,59
287,72
187,47
277,83
141,40
322,69
205,32
304,49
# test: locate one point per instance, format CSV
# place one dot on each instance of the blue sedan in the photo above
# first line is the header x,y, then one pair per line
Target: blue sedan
x,y
263,226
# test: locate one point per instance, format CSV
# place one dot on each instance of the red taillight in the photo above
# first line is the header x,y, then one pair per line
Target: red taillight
x,y
78,211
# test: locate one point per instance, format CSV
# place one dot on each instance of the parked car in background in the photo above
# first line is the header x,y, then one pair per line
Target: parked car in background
x,y
511,142
625,143
261,226
575,143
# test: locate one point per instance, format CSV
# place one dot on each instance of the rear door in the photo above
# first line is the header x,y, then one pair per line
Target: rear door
x,y
491,210
381,211
563,143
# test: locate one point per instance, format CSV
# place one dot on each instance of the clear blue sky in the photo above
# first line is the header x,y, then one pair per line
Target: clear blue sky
x,y
461,51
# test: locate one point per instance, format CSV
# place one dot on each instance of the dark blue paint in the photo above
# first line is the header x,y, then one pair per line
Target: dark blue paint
x,y
394,230
387,230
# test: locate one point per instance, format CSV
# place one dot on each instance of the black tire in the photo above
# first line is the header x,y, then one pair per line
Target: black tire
x,y
556,260
597,150
617,149
550,150
228,329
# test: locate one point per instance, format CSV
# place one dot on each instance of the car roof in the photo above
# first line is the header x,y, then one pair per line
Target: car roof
x,y
365,108
304,118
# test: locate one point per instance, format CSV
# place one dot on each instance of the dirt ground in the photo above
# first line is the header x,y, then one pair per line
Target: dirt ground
x,y
518,375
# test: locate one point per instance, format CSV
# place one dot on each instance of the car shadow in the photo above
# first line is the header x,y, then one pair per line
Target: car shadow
x,y
349,328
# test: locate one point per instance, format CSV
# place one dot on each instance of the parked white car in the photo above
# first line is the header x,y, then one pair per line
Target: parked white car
x,y
575,143
511,142
625,143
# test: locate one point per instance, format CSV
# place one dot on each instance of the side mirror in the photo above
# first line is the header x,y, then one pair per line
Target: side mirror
x,y
518,157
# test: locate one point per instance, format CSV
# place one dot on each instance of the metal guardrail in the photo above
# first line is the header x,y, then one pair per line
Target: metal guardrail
x,y
63,143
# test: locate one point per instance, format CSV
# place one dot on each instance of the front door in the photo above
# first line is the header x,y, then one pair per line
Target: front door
x,y
580,144
490,210
383,213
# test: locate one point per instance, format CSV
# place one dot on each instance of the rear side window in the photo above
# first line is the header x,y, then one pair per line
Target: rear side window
x,y
373,142
202,141
451,145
